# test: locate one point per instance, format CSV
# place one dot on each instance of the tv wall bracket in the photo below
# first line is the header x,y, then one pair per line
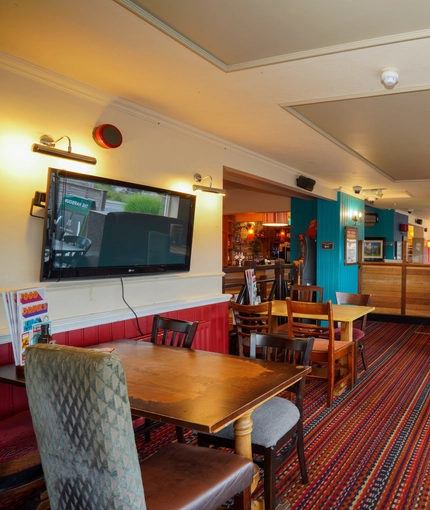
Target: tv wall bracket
x,y
39,200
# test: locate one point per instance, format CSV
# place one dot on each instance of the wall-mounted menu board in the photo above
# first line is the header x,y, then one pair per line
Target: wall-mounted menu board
x,y
351,245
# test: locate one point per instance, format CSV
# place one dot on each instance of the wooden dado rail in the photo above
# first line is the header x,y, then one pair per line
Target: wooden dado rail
x,y
397,288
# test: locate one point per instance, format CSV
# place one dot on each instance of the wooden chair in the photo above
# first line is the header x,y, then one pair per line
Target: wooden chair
x,y
359,326
328,355
79,405
249,319
175,333
277,424
309,293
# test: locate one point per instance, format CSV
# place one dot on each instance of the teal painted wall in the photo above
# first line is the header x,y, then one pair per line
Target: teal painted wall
x,y
388,228
332,217
329,262
302,212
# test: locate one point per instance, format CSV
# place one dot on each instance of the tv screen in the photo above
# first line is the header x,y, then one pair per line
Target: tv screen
x,y
99,228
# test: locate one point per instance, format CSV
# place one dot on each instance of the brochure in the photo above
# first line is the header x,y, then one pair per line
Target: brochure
x,y
252,286
25,311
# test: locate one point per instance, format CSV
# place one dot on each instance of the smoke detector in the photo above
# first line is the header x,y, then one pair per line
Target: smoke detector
x,y
389,77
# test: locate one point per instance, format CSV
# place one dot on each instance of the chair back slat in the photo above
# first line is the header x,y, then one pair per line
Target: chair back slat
x,y
249,319
324,311
309,293
285,349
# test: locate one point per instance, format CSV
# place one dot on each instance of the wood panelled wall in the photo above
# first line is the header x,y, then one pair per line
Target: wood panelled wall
x,y
398,288
384,283
212,335
417,290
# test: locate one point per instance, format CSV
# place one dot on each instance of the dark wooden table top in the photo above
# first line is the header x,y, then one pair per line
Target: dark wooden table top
x,y
196,389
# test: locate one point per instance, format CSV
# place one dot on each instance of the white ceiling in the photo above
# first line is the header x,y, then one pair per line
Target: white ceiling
x,y
297,82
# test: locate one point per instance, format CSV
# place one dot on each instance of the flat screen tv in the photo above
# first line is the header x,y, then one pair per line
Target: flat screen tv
x,y
100,228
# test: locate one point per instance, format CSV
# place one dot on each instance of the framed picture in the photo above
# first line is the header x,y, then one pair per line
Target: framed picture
x,y
373,249
351,246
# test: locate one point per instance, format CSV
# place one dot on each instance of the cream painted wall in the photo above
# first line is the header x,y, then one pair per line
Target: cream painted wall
x,y
156,150
251,201
152,152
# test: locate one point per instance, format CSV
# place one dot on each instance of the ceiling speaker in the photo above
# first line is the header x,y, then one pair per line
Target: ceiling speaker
x,y
305,183
418,221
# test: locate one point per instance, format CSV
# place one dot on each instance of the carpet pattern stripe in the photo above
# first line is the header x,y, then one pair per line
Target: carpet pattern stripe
x,y
371,449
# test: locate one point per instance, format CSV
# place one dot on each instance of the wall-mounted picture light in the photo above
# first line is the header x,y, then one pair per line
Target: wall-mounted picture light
x,y
206,189
357,217
46,146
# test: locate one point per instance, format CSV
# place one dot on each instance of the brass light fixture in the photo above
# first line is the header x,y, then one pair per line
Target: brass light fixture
x,y
206,189
46,146
357,217
250,227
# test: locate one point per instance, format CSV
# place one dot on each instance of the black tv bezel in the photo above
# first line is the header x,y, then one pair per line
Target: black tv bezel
x,y
50,273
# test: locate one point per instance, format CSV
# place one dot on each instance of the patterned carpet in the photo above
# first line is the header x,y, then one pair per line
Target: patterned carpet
x,y
371,449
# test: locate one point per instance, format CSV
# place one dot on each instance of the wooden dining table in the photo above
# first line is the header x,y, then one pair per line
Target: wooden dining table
x,y
200,390
344,314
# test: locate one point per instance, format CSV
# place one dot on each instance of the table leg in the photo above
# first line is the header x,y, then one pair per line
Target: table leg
x,y
346,331
346,335
242,432
274,325
243,446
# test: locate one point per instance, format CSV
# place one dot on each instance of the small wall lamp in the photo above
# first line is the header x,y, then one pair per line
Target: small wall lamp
x,y
207,189
357,217
251,231
282,235
46,146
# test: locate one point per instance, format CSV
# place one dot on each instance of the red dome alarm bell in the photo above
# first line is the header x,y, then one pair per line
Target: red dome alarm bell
x,y
107,136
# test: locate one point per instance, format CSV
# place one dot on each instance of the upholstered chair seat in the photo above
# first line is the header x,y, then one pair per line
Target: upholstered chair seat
x,y
283,415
